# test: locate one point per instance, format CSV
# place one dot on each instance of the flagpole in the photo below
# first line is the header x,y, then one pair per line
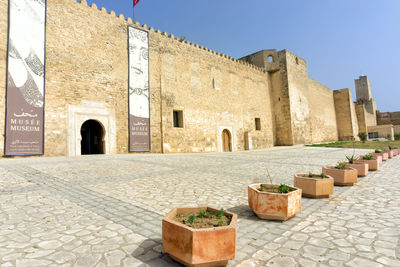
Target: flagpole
x,y
133,13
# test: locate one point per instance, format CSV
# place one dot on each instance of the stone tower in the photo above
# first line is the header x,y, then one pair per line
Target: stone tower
x,y
363,89
364,97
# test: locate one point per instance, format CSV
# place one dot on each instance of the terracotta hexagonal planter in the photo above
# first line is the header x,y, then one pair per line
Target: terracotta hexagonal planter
x,y
390,153
373,165
347,176
198,247
274,206
314,187
362,168
377,157
385,156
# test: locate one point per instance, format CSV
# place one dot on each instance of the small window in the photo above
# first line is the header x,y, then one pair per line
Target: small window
x,y
297,60
215,85
270,59
178,118
258,124
373,135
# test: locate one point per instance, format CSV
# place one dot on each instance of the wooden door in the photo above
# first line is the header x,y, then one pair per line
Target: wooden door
x,y
226,141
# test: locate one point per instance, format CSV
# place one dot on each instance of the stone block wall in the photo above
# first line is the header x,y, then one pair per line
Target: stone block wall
x,y
304,110
361,118
214,92
275,64
312,105
384,131
396,129
370,114
364,96
345,115
363,89
388,118
86,68
281,102
87,78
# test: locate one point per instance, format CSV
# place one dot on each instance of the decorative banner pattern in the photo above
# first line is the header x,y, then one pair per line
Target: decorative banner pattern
x,y
25,77
139,93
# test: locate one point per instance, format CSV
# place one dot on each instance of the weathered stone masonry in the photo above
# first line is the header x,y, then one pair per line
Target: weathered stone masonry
x,y
87,78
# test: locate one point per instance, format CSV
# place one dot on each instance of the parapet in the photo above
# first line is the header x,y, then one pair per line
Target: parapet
x,y
171,36
266,59
363,89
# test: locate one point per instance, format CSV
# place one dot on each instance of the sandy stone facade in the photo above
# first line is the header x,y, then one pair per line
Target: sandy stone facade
x,y
261,100
381,131
388,118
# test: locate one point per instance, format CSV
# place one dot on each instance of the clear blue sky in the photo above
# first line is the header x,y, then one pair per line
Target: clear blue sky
x,y
339,39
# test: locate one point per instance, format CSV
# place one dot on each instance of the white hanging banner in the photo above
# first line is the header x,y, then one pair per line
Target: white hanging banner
x,y
25,77
139,92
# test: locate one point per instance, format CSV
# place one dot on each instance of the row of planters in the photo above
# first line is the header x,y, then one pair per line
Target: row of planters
x,y
204,236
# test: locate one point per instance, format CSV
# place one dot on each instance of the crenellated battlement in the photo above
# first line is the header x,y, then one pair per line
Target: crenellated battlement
x,y
170,36
89,71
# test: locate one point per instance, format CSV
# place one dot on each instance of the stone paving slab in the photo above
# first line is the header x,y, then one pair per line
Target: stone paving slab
x,y
359,228
106,210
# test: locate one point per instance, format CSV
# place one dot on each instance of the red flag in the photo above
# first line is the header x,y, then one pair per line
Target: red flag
x,y
135,2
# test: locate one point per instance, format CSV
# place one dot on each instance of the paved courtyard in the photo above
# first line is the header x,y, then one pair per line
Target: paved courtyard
x,y
106,210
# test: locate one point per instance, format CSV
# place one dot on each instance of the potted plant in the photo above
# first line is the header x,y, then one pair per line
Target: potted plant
x,y
373,164
342,174
274,202
314,185
390,152
200,236
395,151
362,168
363,136
379,152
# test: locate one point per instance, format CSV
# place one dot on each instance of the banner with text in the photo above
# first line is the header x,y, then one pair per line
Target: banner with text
x,y
25,77
139,93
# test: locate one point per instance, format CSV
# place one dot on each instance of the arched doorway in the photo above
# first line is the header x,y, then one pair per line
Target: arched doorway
x,y
92,133
226,141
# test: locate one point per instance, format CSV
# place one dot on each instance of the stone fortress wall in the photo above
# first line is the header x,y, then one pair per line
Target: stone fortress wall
x,y
384,118
87,78
303,107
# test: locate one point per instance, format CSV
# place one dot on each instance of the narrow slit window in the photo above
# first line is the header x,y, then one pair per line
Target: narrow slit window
x,y
178,118
258,124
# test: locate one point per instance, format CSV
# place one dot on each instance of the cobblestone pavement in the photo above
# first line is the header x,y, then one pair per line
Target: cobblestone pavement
x,y
106,210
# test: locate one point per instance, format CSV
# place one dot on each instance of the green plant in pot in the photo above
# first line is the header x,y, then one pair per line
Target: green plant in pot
x,y
363,136
314,185
368,157
362,168
373,164
274,202
321,176
341,166
351,159
341,174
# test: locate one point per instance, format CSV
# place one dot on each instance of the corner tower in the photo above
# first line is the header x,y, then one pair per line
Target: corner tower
x,y
363,89
364,97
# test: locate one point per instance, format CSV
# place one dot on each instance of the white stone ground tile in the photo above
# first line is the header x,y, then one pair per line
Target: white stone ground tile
x,y
107,210
367,233
49,230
